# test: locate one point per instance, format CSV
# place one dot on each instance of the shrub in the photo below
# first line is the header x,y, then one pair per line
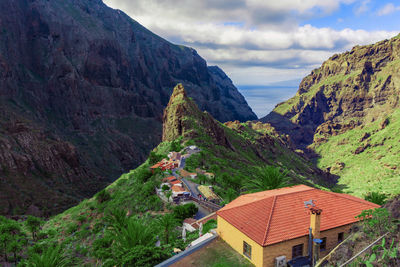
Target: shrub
x,y
33,225
376,197
103,196
165,187
185,211
375,221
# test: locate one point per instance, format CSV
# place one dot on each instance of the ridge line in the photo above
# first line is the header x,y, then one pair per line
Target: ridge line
x,y
269,220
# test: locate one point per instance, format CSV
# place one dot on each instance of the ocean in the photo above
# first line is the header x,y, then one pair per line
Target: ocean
x,y
263,99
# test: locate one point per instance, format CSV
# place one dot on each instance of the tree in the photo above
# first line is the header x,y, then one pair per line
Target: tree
x,y
185,211
154,158
33,225
167,222
176,146
168,194
117,220
376,197
375,221
267,178
165,187
145,256
230,195
11,237
50,257
202,178
134,234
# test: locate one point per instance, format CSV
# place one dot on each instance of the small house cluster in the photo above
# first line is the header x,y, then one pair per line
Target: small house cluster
x,y
174,161
178,190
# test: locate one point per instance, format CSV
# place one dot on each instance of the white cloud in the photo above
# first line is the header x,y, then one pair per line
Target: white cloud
x,y
254,41
388,9
363,7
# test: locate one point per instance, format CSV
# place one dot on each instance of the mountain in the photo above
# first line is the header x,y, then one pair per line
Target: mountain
x,y
346,113
234,148
83,88
234,151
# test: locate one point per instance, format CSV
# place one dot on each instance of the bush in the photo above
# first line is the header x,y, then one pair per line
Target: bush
x,y
376,197
165,187
154,158
185,211
103,196
375,221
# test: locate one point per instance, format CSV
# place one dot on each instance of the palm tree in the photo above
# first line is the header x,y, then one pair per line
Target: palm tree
x,y
167,222
51,257
268,178
117,220
33,225
135,233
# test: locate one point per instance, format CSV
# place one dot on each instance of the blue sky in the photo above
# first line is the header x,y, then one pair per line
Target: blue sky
x,y
260,42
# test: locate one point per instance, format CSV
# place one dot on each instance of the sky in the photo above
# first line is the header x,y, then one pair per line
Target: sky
x,y
262,42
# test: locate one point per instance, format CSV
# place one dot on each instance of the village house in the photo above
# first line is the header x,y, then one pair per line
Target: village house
x,y
172,180
165,165
178,191
209,175
186,174
274,227
174,156
208,193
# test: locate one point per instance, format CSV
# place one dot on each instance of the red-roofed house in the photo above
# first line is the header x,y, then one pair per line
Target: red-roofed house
x,y
274,225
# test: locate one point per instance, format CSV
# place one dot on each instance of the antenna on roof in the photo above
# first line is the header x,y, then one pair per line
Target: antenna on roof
x,y
309,203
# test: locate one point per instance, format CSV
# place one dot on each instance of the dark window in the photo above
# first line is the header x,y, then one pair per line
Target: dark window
x,y
246,249
340,237
322,246
297,251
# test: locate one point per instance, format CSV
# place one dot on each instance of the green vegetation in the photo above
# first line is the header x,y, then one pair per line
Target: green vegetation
x,y
376,197
375,222
185,211
49,257
375,169
268,178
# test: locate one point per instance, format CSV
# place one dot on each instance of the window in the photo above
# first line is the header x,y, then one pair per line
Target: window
x,y
340,237
246,250
322,246
297,251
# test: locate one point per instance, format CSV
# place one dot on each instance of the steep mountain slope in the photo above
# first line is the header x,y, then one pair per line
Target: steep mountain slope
x,y
233,148
89,85
347,112
237,151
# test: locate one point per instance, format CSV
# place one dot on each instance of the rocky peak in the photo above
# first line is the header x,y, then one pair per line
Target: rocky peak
x,y
182,117
360,85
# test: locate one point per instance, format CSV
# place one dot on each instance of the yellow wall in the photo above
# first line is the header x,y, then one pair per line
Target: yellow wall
x,y
235,239
265,256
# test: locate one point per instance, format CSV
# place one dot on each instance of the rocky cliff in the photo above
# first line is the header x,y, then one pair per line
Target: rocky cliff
x,y
82,91
235,148
346,115
349,89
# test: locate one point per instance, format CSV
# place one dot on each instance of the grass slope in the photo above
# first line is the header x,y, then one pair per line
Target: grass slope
x,y
374,169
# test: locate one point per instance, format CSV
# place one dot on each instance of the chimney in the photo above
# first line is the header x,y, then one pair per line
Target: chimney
x,y
315,225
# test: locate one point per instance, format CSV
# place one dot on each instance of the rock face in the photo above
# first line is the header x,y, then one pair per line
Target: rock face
x,y
237,141
348,90
82,91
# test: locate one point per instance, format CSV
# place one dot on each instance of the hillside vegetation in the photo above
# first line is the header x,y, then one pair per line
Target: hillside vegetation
x,y
345,116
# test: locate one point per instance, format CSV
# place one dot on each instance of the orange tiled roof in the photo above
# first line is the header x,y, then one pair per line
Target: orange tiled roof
x,y
155,166
177,188
274,216
175,182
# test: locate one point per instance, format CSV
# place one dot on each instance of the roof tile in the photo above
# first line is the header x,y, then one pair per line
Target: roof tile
x,y
277,215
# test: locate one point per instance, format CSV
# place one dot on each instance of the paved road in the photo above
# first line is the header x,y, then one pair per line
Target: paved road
x,y
192,187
